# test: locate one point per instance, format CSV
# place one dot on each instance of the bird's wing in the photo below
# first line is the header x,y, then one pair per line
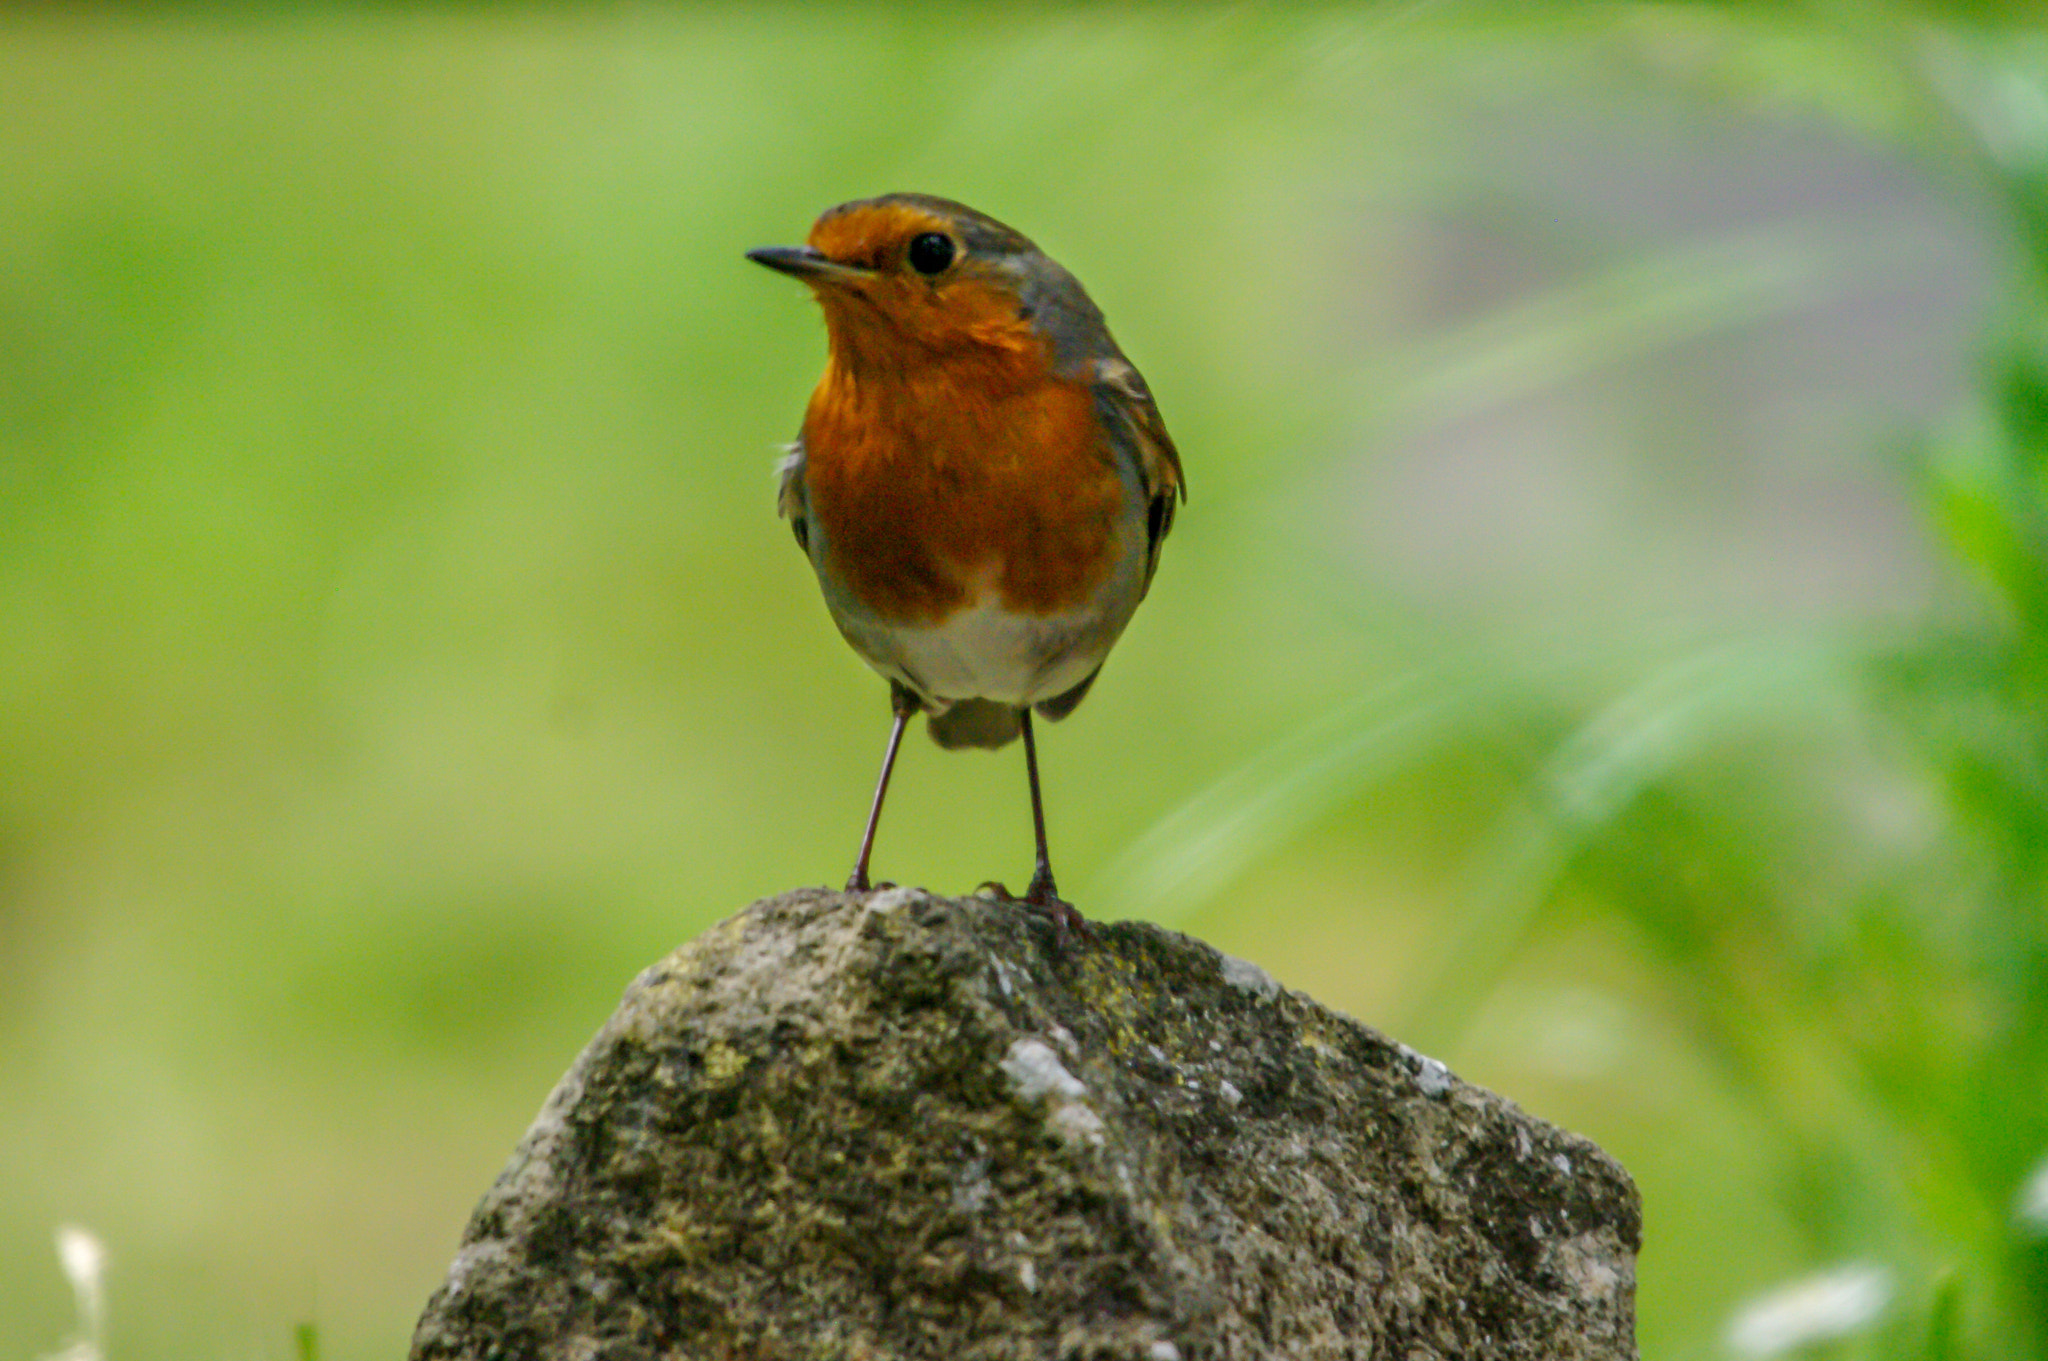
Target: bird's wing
x,y
1137,432
791,501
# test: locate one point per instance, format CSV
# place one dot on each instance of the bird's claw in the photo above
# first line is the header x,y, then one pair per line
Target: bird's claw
x,y
1067,921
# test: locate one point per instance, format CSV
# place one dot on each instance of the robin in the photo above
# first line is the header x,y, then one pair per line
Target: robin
x,y
982,482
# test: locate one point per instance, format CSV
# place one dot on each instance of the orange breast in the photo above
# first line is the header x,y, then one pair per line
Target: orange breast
x,y
935,480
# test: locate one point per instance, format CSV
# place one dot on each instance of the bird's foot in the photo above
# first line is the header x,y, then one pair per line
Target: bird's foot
x,y
857,882
1067,921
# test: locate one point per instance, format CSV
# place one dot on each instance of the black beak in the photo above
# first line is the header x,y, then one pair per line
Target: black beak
x,y
804,263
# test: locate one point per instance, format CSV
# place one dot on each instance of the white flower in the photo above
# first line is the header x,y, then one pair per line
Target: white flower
x,y
1813,1308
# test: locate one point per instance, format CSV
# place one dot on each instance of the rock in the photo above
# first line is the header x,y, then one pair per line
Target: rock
x,y
905,1126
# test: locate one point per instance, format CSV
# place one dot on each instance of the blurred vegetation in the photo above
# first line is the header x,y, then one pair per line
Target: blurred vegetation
x,y
1607,646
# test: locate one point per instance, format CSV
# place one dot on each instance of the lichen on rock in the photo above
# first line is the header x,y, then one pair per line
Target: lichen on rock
x,y
906,1126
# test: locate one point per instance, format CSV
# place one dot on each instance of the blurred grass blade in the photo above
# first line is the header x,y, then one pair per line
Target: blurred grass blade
x,y
1193,853
1638,308
1594,775
1995,95
1945,1321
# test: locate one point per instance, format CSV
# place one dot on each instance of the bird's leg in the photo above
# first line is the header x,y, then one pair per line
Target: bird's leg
x,y
1042,893
904,703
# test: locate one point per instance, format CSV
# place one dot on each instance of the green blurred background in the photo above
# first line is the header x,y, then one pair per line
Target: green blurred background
x,y
1607,645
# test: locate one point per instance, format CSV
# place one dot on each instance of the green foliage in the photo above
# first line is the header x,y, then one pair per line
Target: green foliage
x,y
400,648
1890,1032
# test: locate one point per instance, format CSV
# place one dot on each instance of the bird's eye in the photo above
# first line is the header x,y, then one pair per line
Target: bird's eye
x,y
931,253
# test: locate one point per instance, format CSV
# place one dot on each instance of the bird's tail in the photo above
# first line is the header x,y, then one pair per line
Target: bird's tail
x,y
977,723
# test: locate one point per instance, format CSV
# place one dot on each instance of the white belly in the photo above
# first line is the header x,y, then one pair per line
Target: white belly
x,y
983,652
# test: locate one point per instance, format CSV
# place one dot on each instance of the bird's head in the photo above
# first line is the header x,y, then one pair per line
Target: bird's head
x,y
908,278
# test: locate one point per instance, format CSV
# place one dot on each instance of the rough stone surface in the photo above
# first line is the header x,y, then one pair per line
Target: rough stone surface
x,y
908,1126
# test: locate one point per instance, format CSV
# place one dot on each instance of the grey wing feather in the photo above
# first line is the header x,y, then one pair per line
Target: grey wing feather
x,y
1060,705
790,500
1138,432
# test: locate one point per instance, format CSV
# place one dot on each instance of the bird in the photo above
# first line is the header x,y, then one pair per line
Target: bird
x,y
982,481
